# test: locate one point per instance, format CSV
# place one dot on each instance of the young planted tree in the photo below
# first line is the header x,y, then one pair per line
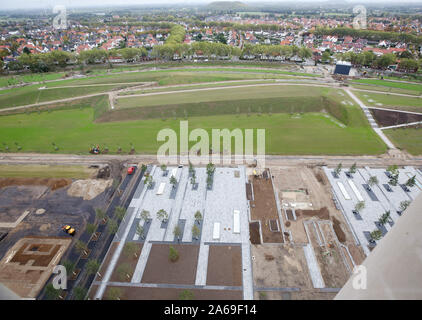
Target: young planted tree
x,y
195,232
124,272
173,181
394,179
191,169
130,249
114,293
173,254
79,293
376,235
92,266
337,170
112,226
198,216
193,178
186,295
81,247
162,215
91,228
411,182
360,206
69,266
177,232
373,180
404,204
119,213
51,293
100,214
140,231
384,218
163,167
352,169
145,215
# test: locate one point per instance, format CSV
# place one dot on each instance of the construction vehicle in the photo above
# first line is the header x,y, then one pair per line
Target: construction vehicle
x,y
95,149
69,230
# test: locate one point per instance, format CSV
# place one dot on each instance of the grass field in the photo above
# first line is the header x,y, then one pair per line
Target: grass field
x,y
417,88
31,94
409,139
45,171
391,101
74,131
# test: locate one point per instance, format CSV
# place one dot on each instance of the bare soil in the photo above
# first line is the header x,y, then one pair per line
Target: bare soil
x,y
88,189
139,293
160,269
309,294
264,208
287,269
52,183
29,263
385,118
130,261
254,233
224,266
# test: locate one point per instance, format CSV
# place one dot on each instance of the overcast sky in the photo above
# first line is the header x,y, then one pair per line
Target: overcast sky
x,y
27,4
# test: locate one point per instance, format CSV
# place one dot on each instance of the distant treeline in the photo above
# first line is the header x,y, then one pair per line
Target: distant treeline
x,y
370,35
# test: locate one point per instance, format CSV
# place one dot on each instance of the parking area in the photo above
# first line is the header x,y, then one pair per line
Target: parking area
x,y
380,198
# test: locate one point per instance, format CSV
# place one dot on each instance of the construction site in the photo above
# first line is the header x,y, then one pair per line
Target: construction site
x,y
35,208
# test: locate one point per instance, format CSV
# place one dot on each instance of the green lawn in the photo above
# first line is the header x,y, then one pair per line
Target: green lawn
x,y
74,131
409,139
253,92
31,94
391,101
45,171
391,84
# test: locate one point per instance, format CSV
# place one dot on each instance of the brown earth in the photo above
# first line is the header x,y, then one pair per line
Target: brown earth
x,y
286,268
385,118
139,293
130,261
29,263
264,208
52,183
160,269
254,233
224,266
309,294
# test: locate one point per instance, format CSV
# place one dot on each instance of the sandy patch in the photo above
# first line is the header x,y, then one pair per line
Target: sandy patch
x,y
88,189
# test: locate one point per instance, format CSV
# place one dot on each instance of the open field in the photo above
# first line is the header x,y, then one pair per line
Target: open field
x,y
417,88
409,139
221,94
46,171
390,101
74,131
77,87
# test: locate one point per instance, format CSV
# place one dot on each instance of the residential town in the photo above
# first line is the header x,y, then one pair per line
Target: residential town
x,y
271,37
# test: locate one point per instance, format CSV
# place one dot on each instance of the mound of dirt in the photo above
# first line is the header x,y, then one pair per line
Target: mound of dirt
x,y
52,183
88,189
